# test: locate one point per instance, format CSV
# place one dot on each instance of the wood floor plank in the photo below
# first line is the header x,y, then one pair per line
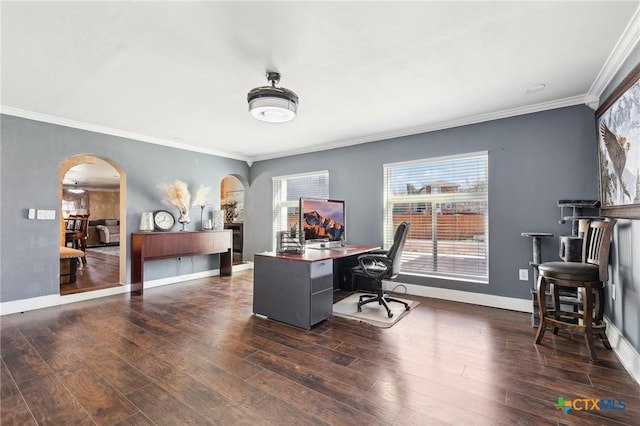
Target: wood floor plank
x,y
378,407
316,404
162,408
273,411
314,363
51,403
193,353
14,409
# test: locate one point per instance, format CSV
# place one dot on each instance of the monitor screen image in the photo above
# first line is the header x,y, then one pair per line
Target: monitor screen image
x,y
322,220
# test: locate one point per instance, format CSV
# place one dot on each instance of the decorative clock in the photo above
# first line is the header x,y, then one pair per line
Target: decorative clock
x,y
163,220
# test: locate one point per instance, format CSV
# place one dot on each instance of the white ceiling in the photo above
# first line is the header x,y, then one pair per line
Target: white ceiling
x,y
94,176
177,73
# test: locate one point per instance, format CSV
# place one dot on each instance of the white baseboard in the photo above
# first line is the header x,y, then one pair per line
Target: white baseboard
x,y
521,305
623,349
24,305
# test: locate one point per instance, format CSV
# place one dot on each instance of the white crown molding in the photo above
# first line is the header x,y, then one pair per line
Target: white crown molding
x,y
17,112
621,51
432,127
585,99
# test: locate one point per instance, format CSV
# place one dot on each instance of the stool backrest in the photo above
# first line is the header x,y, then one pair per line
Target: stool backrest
x,y
595,249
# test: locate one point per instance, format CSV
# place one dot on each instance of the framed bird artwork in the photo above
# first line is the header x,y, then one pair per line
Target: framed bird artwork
x,y
618,130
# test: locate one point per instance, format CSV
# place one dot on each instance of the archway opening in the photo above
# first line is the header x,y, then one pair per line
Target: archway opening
x,y
94,187
232,201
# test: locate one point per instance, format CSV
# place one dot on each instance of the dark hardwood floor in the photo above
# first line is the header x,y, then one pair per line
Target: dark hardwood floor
x,y
192,353
101,271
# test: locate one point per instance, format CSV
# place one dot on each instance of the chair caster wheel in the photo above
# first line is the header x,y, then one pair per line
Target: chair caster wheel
x,y
406,308
390,315
359,309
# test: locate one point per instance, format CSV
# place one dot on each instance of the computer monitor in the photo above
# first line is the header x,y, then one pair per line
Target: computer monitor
x,y
322,222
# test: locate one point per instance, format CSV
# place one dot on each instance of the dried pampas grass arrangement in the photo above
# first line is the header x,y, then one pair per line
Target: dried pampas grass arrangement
x,y
177,194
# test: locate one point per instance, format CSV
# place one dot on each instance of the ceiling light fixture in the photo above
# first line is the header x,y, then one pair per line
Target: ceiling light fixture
x,y
272,104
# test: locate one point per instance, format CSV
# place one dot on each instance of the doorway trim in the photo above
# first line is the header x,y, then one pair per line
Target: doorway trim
x,y
75,160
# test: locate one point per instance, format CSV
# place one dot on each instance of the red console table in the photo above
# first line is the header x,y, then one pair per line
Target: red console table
x,y
165,245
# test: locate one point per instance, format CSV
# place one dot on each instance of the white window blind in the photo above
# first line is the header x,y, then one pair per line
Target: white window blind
x,y
446,201
287,191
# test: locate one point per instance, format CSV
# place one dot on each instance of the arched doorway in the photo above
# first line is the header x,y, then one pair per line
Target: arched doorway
x,y
86,174
232,193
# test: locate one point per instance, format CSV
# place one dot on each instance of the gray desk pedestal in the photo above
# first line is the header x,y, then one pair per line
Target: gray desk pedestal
x,y
297,293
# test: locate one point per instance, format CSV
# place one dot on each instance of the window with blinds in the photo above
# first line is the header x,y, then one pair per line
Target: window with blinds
x,y
287,191
446,201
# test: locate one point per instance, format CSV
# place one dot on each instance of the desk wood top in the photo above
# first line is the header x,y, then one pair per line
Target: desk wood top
x,y
313,255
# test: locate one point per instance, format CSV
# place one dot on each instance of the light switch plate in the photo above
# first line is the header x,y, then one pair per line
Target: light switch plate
x,y
46,214
523,274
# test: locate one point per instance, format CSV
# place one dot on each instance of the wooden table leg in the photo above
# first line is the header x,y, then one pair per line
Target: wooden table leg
x,y
587,309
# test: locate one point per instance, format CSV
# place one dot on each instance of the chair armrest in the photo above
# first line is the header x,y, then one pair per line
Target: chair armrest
x,y
375,265
380,251
104,232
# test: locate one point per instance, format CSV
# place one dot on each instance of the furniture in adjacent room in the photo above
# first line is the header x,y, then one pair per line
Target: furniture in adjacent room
x,y
76,233
97,238
379,266
164,245
69,264
238,235
297,289
109,234
588,277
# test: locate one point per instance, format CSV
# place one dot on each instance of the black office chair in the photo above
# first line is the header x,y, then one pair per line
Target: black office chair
x,y
379,266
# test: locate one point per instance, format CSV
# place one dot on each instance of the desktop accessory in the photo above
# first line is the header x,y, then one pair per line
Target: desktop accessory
x,y
163,220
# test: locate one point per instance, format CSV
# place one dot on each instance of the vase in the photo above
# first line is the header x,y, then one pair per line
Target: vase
x,y
146,222
184,220
218,222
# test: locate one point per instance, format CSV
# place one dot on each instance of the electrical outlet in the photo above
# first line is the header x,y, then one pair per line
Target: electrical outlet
x,y
523,274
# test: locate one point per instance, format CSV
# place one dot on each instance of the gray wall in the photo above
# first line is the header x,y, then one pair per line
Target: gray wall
x,y
534,160
30,157
624,312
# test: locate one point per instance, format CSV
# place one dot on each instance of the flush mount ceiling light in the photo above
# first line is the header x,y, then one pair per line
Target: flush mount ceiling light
x,y
272,104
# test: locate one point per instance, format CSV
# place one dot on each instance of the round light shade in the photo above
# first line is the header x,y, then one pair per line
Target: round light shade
x,y
272,104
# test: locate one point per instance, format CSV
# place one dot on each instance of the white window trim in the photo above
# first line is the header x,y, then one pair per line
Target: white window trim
x,y
286,204
437,198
